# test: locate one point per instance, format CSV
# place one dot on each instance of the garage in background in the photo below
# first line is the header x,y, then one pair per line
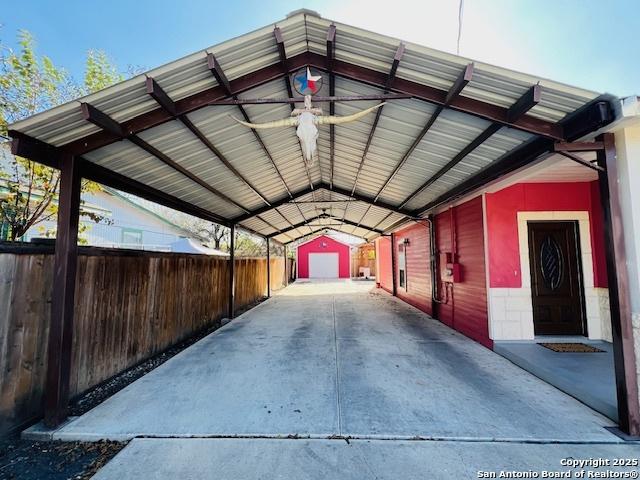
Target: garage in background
x,y
324,257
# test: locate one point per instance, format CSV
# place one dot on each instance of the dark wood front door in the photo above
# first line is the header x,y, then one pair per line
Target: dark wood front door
x,y
556,278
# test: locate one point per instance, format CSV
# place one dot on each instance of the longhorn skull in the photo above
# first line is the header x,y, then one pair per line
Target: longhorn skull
x,y
306,120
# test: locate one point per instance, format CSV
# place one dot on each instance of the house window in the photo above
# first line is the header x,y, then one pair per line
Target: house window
x,y
402,265
131,236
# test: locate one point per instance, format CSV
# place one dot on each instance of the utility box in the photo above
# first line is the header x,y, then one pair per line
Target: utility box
x,y
450,270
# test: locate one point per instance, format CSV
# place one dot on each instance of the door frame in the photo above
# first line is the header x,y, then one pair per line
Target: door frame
x,y
595,316
584,327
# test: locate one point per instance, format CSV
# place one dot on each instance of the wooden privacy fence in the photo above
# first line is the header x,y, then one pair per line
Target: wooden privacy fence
x,y
130,305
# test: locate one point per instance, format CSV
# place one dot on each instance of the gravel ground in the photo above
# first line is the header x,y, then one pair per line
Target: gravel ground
x,y
28,460
25,460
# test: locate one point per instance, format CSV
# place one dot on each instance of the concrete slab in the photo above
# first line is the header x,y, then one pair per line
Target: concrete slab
x,y
589,377
326,459
338,358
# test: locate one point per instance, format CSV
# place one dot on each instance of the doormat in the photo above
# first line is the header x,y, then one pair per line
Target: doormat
x,y
571,347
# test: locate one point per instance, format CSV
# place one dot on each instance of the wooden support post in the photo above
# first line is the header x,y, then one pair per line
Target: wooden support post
x,y
619,301
232,270
287,275
394,274
268,269
62,296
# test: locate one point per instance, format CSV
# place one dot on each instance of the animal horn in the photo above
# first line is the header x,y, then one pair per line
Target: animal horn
x,y
335,120
285,122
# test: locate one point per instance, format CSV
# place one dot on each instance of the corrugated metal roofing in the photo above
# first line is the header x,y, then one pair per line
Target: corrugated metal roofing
x,y
399,125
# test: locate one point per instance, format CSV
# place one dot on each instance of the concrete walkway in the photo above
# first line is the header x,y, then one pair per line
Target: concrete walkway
x,y
321,360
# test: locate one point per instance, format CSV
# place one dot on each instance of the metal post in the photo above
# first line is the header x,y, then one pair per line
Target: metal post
x,y
619,302
268,271
62,297
232,270
394,289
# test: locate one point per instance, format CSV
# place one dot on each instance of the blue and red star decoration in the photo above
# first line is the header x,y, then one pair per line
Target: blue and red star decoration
x,y
305,83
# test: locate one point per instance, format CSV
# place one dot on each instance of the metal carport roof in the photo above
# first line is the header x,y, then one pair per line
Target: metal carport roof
x,y
459,124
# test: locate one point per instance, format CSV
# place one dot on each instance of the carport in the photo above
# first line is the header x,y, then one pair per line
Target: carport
x,y
448,127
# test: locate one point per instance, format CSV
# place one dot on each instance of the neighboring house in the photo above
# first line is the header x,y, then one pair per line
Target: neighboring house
x,y
125,224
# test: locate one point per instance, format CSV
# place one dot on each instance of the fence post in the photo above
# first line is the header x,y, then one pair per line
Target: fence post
x,y
268,270
62,296
232,270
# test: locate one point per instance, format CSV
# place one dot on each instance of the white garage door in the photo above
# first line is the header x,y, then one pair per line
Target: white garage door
x,y
323,265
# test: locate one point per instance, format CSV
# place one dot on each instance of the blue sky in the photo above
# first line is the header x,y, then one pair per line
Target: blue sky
x,y
593,44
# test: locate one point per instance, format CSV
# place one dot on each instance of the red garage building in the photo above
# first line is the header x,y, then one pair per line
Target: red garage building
x,y
324,257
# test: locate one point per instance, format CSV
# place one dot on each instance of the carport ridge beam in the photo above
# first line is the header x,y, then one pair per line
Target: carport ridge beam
x,y
618,284
345,69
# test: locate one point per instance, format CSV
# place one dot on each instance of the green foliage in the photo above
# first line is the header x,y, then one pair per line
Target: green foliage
x,y
100,72
30,83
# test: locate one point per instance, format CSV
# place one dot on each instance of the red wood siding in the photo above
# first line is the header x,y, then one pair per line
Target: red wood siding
x,y
466,301
502,224
384,276
324,244
418,291
466,310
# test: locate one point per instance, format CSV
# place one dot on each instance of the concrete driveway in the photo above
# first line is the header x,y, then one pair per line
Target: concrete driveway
x,y
339,359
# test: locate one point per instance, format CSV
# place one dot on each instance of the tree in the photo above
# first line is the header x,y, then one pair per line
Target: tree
x,y
29,84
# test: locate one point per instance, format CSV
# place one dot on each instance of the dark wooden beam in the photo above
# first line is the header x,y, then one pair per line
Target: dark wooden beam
x,y
394,263
458,85
160,96
268,268
62,296
581,161
478,108
619,294
232,271
588,119
509,162
102,120
264,75
38,151
316,99
331,53
323,216
314,231
522,156
387,84
525,103
225,84
578,146
275,204
369,200
284,62
33,149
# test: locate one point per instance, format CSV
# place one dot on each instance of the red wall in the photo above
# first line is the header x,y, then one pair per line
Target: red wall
x,y
324,244
502,224
466,307
384,275
418,291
